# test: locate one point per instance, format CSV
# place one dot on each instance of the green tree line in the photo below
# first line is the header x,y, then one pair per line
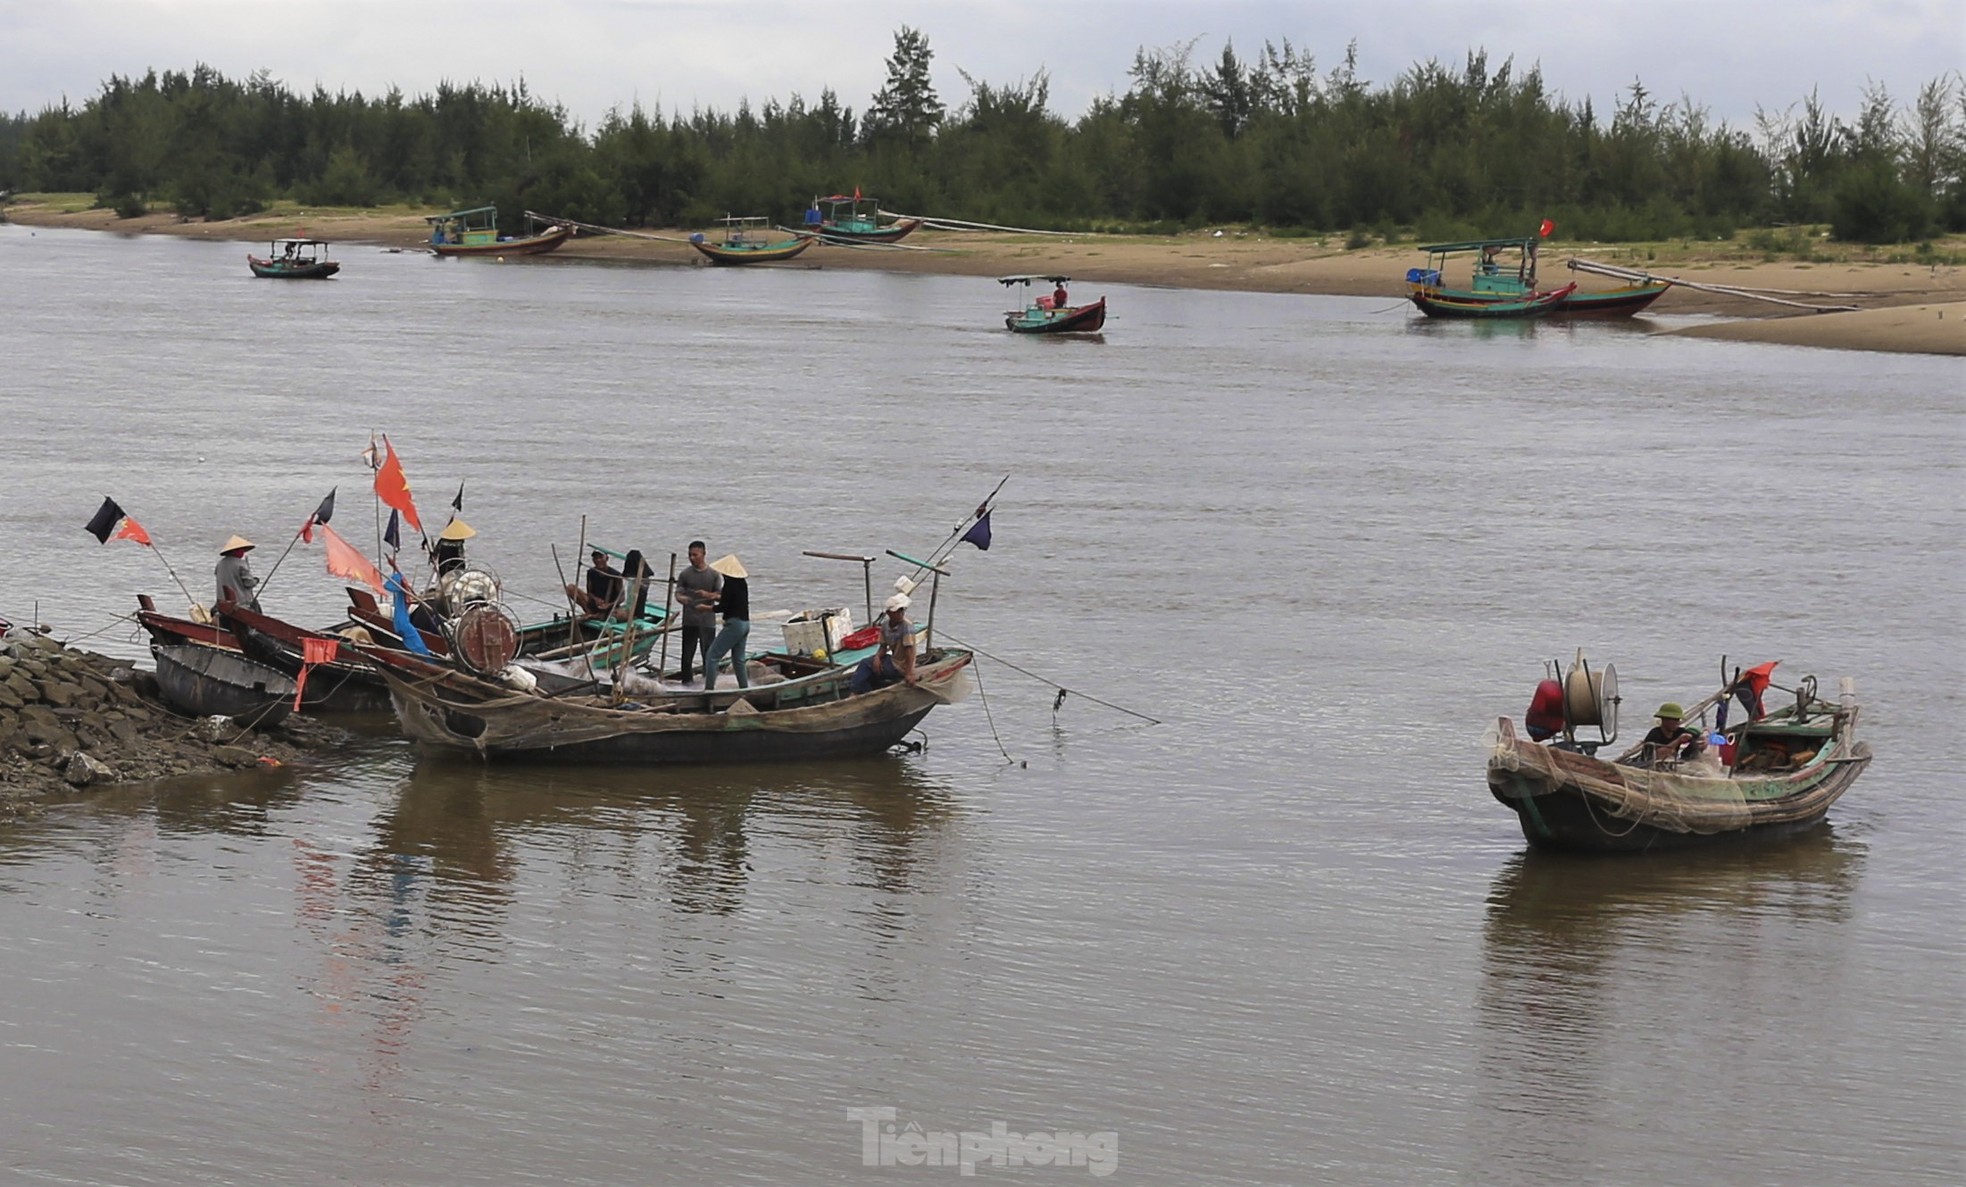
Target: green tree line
x,y
1270,140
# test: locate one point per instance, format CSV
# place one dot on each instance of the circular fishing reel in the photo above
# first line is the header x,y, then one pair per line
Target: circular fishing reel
x,y
468,587
484,637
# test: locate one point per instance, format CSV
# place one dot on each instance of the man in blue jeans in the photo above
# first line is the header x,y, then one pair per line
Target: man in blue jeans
x,y
735,603
896,658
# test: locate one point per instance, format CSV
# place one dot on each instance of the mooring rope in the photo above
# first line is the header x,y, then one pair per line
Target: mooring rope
x,y
1053,683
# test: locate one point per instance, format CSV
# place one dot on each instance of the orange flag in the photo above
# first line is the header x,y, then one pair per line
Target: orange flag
x,y
347,562
394,489
132,530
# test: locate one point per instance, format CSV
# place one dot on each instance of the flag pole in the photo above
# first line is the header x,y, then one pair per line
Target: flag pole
x,y
173,572
942,550
268,579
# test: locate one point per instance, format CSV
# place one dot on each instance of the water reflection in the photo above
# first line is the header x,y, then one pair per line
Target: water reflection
x,y
1592,966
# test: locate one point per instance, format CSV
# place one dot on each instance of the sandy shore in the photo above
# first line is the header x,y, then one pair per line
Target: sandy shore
x,y
1908,307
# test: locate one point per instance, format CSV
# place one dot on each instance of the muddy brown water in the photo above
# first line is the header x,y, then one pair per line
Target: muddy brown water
x,y
1285,936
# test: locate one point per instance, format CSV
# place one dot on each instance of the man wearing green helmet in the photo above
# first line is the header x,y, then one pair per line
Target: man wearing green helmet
x,y
1670,741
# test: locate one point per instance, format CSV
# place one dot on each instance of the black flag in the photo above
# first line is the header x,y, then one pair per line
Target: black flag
x,y
457,504
979,533
105,521
322,515
391,536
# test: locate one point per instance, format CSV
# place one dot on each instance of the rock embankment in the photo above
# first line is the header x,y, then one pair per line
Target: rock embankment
x,y
71,718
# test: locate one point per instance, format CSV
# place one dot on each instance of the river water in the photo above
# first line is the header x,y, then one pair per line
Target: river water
x,y
1283,936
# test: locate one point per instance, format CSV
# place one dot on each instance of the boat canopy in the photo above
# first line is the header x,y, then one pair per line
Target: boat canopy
x,y
475,210
1033,279
298,243
1524,243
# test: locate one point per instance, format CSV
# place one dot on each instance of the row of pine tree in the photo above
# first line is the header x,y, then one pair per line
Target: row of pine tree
x,y
1271,140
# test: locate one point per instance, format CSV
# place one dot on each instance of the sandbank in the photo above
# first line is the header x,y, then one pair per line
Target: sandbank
x,y
1908,306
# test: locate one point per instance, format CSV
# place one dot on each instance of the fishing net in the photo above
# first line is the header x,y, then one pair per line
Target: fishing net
x,y
1695,796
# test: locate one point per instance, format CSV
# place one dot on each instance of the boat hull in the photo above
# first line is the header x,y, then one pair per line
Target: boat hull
x,y
349,685
1439,303
1618,302
1084,319
892,233
1571,801
201,681
449,712
277,270
724,254
531,246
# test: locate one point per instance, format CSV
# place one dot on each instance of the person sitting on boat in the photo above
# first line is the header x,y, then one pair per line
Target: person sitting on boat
x,y
1059,297
235,579
896,658
603,592
1669,741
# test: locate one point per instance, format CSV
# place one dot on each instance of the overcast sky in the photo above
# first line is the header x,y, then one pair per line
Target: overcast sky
x,y
591,55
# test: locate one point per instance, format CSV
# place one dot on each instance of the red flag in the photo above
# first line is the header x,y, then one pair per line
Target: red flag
x,y
856,193
1543,232
1757,680
394,489
347,562
132,530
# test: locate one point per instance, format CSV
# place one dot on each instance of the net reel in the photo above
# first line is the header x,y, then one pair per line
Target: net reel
x,y
1590,698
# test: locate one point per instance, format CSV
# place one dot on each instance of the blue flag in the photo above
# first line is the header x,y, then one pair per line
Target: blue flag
x,y
391,535
979,533
412,638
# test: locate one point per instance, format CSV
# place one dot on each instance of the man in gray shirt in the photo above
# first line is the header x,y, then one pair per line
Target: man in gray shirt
x,y
235,580
697,588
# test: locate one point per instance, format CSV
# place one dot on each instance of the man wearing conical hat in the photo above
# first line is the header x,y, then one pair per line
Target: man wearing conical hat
x,y
235,579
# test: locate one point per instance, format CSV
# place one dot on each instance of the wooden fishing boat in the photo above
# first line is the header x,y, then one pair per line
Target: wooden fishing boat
x,y
294,259
1503,283
1043,316
1535,305
201,681
1773,775
346,684
474,232
809,712
850,218
746,241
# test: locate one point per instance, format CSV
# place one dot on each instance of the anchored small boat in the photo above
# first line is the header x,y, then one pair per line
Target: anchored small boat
x,y
1045,314
850,218
1503,284
294,259
474,232
1773,774
747,241
201,681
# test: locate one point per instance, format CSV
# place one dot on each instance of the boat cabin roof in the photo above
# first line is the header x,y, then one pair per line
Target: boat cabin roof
x,y
464,214
1523,243
277,243
1033,279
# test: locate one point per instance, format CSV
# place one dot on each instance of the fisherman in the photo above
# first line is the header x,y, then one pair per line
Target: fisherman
x,y
448,552
697,588
603,592
235,579
1670,741
734,601
1059,297
896,658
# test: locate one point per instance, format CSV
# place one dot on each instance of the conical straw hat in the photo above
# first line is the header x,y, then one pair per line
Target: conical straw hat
x,y
729,566
236,542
